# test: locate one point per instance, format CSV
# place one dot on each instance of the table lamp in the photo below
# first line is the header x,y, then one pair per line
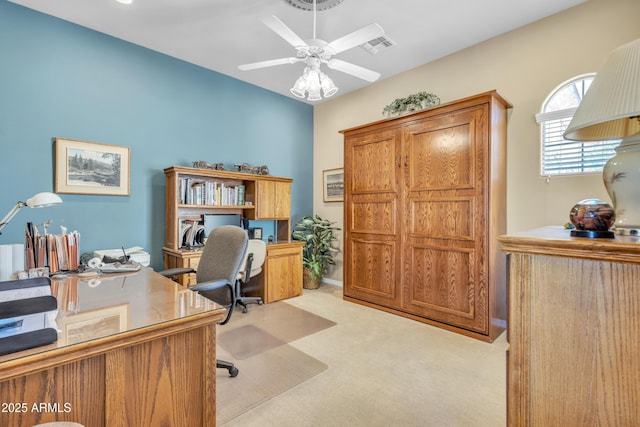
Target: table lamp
x,y
611,110
40,200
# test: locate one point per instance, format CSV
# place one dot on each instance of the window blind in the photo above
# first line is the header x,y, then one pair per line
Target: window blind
x,y
563,157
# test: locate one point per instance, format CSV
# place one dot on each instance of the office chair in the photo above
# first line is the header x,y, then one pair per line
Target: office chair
x,y
217,272
251,267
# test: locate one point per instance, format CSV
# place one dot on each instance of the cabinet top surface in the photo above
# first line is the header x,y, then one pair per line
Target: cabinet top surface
x,y
556,240
185,170
481,98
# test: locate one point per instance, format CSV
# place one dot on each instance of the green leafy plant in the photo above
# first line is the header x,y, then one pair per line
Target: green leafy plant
x,y
415,102
318,235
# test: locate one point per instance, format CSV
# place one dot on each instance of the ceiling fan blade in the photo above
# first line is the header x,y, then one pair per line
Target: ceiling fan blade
x,y
269,63
354,70
283,31
358,37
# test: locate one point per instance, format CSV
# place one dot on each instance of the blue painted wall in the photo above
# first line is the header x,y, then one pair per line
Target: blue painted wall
x,y
58,79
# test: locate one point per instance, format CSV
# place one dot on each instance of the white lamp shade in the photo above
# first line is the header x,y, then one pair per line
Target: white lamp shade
x,y
42,200
611,107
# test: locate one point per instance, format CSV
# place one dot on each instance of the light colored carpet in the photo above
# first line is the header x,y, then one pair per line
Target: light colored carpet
x,y
262,377
256,342
383,370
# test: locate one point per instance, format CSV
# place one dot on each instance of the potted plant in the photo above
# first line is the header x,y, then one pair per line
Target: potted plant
x,y
417,101
317,254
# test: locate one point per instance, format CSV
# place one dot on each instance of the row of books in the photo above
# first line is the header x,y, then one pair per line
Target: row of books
x,y
58,252
211,193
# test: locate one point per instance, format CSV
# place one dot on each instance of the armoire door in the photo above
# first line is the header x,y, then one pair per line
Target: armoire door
x,y
444,239
372,242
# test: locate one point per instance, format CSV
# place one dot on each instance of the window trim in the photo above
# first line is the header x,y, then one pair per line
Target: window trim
x,y
542,117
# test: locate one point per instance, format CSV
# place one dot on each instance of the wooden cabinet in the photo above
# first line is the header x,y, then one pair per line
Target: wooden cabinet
x,y
273,200
424,204
265,198
281,276
574,310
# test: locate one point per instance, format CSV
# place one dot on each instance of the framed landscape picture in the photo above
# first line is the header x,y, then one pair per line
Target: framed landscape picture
x,y
91,168
333,185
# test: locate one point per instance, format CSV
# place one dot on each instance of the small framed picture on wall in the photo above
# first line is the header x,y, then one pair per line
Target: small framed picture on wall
x,y
333,185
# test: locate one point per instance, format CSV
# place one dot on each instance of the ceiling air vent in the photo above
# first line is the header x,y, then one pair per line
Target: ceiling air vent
x,y
374,46
308,4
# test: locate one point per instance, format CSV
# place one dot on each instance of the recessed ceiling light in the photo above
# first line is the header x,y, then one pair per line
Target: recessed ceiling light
x,y
125,1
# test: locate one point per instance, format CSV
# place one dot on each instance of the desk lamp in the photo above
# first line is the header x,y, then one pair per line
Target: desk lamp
x,y
611,110
40,200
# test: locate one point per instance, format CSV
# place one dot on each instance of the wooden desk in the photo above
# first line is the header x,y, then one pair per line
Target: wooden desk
x,y
573,330
134,350
281,276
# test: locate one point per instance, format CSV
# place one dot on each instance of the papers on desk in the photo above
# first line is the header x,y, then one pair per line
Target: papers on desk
x,y
135,253
58,252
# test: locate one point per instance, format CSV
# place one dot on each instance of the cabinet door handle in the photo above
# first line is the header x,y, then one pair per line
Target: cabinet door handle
x,y
399,157
406,157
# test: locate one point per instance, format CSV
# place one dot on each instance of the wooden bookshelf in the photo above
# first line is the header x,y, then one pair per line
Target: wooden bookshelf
x,y
265,198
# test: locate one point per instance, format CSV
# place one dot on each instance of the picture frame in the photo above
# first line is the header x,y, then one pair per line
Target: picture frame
x,y
93,324
333,185
83,167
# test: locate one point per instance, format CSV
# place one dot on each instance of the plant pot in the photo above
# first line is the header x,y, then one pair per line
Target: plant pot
x,y
307,283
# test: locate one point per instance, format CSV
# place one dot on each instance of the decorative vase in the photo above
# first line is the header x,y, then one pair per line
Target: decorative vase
x,y
592,218
307,282
621,176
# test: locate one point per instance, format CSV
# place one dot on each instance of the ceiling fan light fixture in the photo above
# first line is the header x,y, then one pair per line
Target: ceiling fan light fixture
x,y
125,1
314,95
300,86
328,87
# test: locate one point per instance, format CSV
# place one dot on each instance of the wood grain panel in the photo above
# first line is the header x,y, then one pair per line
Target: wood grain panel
x,y
573,333
589,367
152,381
283,271
443,218
46,398
446,151
443,281
373,269
375,162
374,216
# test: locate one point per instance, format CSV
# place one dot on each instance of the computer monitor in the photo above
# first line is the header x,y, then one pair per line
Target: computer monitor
x,y
212,221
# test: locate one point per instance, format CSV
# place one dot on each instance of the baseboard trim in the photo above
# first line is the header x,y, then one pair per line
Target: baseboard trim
x,y
332,282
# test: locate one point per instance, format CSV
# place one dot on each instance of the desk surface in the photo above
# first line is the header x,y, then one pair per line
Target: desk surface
x,y
133,350
108,306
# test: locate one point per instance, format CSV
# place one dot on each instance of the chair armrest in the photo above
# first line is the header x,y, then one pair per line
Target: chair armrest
x,y
210,286
213,285
178,271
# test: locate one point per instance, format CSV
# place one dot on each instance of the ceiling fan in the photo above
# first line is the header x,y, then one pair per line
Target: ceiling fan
x,y
314,52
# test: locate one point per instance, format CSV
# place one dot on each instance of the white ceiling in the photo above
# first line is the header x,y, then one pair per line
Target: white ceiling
x,y
222,34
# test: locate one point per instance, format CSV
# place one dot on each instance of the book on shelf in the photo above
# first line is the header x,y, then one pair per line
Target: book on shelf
x,y
209,193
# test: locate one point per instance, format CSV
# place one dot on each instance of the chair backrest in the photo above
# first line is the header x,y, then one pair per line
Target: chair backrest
x,y
258,249
221,259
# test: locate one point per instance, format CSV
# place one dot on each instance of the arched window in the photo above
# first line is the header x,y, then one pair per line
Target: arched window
x,y
558,155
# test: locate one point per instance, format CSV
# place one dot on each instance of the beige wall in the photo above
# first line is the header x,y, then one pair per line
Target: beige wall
x,y
524,65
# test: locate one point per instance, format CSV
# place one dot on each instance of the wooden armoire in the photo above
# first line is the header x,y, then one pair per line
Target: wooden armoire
x,y
424,203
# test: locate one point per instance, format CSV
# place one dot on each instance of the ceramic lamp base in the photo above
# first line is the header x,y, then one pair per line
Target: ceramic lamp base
x,y
621,175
